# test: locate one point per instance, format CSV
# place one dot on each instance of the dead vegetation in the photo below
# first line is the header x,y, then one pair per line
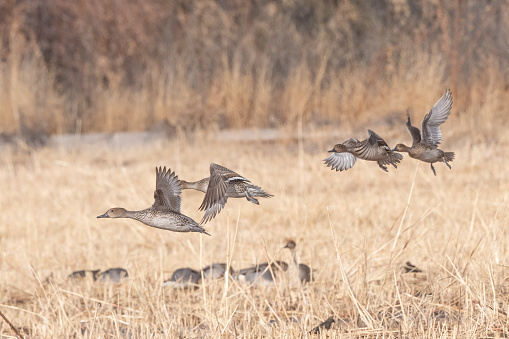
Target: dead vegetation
x,y
86,66
339,66
356,229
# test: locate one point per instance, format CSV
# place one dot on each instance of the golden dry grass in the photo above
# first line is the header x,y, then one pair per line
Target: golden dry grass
x,y
338,66
353,228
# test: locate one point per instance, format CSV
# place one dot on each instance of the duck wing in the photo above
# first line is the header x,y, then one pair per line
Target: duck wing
x,y
213,209
372,148
413,131
352,142
430,126
168,190
376,140
340,161
215,197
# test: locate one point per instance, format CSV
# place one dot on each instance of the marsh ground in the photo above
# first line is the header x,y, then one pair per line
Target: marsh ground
x,y
315,72
355,229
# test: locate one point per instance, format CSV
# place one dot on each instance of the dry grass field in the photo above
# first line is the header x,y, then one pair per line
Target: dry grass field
x,y
318,73
355,229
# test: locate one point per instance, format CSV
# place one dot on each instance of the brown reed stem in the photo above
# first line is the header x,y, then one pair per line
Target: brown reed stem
x,y
11,325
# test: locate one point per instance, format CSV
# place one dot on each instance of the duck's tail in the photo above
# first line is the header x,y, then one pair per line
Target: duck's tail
x,y
448,156
255,191
197,228
393,158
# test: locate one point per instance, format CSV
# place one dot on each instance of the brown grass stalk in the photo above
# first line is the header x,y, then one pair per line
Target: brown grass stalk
x,y
14,329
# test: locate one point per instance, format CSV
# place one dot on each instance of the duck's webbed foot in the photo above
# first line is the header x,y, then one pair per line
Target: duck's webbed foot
x,y
433,169
447,164
382,166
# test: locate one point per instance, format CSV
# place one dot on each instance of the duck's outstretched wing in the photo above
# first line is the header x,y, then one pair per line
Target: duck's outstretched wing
x,y
352,142
340,161
372,147
413,131
430,126
376,149
375,140
213,209
168,190
215,197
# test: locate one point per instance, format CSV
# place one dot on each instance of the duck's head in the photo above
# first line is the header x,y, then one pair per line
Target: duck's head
x,y
401,148
290,244
338,148
117,212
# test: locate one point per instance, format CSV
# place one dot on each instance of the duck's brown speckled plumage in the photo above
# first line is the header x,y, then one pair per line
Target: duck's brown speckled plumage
x,y
222,184
425,142
165,212
374,148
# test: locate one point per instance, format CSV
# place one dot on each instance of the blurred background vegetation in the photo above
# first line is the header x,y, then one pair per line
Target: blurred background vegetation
x,y
109,65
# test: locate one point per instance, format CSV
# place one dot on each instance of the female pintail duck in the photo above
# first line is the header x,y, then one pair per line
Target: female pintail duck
x,y
113,275
425,142
221,185
373,148
261,273
165,212
304,270
184,278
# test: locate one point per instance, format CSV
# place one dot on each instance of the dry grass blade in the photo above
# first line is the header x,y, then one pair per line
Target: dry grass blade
x,y
11,325
270,261
363,313
406,209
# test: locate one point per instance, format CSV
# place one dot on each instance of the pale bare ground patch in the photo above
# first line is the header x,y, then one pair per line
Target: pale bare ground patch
x,y
351,228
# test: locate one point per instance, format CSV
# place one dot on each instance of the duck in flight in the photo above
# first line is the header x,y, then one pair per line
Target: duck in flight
x,y
425,142
165,212
222,184
374,148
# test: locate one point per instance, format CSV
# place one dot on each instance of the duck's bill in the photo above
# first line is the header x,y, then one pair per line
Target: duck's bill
x,y
332,150
395,149
105,215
